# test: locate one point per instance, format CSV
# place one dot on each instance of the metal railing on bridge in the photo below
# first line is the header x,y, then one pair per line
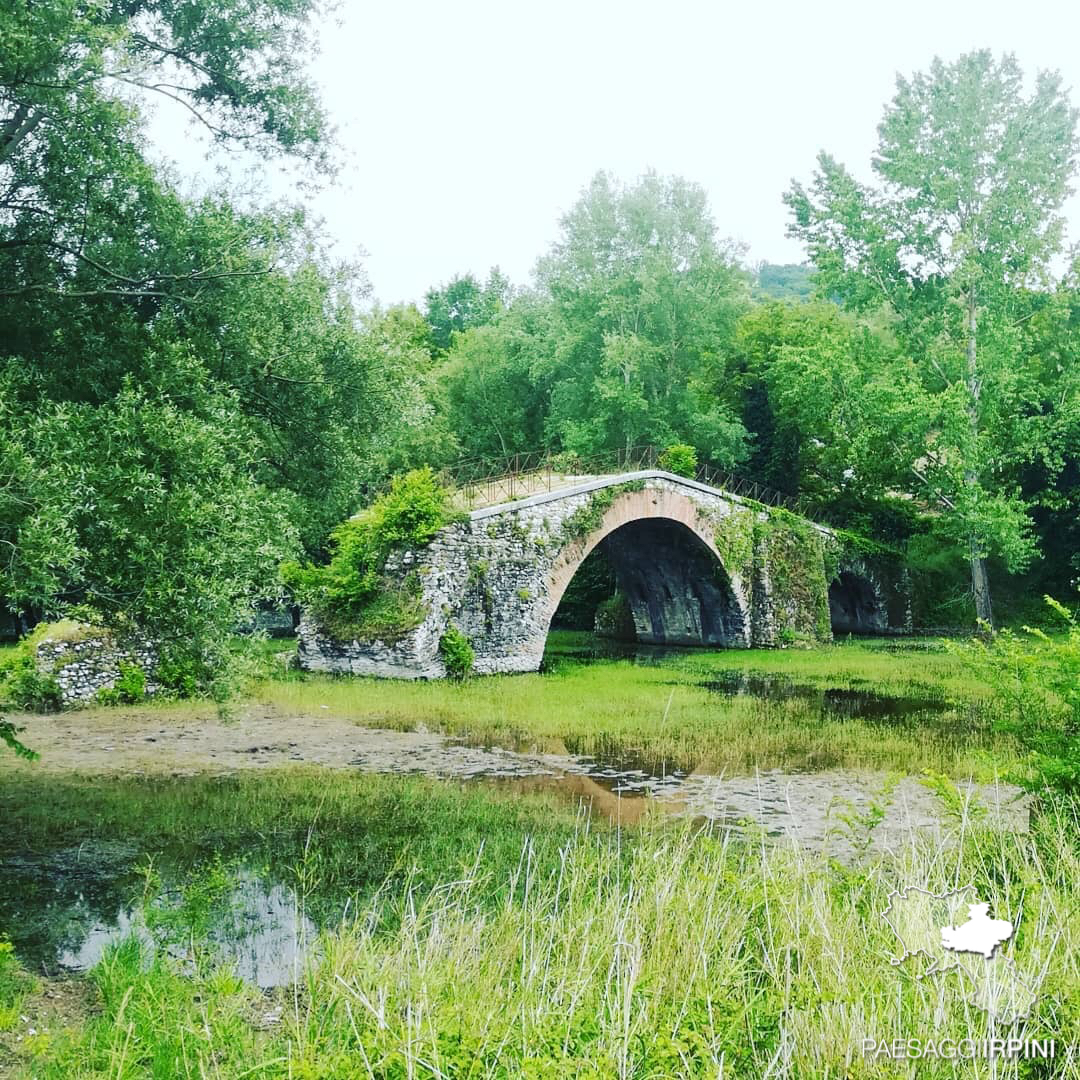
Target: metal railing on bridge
x,y
480,482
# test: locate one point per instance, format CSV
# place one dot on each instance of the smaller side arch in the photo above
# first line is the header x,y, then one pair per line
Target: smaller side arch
x,y
856,604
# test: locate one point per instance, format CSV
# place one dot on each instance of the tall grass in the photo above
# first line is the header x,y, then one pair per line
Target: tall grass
x,y
685,954
664,711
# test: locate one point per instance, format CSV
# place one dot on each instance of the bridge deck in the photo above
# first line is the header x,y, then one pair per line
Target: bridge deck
x,y
573,485
516,486
537,473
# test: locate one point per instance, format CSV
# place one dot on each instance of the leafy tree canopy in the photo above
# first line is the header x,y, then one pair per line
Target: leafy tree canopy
x,y
463,304
187,391
972,173
644,302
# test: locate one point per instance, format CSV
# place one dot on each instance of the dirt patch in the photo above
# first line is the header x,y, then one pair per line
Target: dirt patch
x,y
804,805
187,740
56,1005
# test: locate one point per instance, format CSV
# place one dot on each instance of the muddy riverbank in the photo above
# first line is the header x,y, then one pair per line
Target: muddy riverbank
x,y
805,805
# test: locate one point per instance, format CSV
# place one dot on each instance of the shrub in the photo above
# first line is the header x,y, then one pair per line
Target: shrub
x,y
181,673
21,684
129,689
679,458
350,596
1036,677
457,653
614,619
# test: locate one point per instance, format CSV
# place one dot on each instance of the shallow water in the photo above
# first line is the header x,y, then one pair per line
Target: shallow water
x,y
851,703
67,907
64,907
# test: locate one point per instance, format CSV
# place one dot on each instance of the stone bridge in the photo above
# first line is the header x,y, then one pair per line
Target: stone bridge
x,y
697,566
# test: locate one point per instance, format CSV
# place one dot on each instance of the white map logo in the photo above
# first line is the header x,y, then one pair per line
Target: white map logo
x,y
979,934
952,934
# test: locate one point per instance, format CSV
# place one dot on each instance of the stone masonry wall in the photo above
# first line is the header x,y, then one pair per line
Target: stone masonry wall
x,y
82,668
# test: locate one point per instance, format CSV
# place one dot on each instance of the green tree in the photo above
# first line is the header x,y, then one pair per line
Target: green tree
x,y
644,302
186,392
972,172
409,429
463,304
492,388
1044,435
145,512
818,395
71,163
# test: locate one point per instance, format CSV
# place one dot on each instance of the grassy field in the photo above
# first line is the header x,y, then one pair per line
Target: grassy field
x,y
465,933
519,940
664,711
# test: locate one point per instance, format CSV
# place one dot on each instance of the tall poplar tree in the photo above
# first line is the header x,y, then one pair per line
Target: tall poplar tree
x,y
972,172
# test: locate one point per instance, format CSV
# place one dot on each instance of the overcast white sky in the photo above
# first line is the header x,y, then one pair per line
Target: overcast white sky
x,y
468,128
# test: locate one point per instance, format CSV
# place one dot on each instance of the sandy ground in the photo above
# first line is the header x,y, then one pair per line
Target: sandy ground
x,y
161,740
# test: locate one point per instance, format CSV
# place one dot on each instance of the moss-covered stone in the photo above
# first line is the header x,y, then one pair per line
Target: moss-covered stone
x,y
588,518
790,556
733,535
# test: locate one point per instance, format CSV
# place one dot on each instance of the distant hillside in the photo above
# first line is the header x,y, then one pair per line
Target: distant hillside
x,y
784,281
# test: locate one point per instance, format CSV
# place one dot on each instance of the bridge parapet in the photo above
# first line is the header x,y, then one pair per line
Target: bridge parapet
x,y
697,564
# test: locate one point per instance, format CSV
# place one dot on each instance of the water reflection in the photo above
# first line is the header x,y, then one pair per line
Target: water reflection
x,y
591,649
849,703
66,908
808,809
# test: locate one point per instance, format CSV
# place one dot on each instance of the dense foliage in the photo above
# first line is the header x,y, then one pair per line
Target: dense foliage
x,y
349,594
187,393
457,653
621,342
679,458
1036,679
961,229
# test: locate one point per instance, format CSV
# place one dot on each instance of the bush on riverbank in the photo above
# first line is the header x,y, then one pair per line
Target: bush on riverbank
x,y
1036,678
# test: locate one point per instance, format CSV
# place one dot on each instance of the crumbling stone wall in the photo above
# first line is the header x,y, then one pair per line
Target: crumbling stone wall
x,y
83,666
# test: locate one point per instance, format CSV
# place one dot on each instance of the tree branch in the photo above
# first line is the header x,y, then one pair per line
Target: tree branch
x,y
18,129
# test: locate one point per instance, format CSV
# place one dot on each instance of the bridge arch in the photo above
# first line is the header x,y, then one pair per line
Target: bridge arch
x,y
667,565
857,604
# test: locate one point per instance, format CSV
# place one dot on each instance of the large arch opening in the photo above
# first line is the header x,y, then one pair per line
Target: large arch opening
x,y
855,607
655,582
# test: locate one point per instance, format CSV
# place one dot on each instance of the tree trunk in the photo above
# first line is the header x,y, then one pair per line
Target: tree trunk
x,y
980,581
980,585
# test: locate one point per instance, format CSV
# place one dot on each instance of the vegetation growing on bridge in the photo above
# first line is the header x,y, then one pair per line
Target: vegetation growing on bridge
x,y
680,459
589,517
733,535
793,552
457,653
753,539
351,596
